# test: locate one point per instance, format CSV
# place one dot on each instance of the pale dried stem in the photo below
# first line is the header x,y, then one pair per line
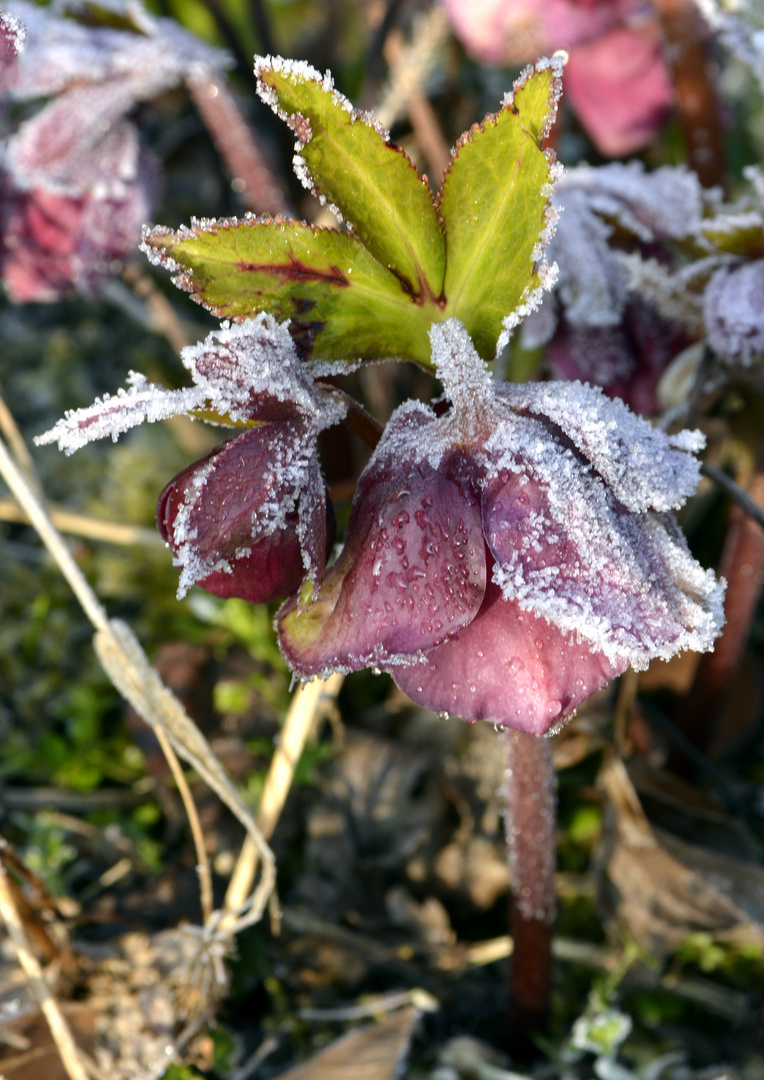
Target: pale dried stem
x,y
18,447
49,1007
307,703
129,669
202,859
412,64
162,317
531,840
89,528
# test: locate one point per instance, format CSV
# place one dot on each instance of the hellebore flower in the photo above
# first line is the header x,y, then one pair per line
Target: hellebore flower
x,y
621,310
616,78
75,187
251,519
508,558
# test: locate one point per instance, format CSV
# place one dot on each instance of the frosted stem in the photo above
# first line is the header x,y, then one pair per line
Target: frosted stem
x,y
530,822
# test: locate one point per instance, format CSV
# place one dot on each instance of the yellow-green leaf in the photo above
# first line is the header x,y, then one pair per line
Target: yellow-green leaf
x,y
495,205
347,160
342,304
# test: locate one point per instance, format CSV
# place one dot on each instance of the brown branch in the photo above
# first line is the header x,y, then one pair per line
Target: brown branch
x,y
687,56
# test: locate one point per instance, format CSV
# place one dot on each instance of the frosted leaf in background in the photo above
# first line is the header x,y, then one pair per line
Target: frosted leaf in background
x,y
741,30
550,505
63,53
606,324
734,312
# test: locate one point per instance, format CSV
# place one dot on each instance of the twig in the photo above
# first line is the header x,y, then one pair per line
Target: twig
x,y
357,419
66,521
161,316
18,447
739,495
59,1028
410,67
128,668
306,703
202,859
416,63
693,77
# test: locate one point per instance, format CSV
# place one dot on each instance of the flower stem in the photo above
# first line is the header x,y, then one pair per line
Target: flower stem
x,y
530,823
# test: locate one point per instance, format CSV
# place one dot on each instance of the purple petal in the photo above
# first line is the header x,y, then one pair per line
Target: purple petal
x,y
627,360
253,372
510,667
567,550
644,467
411,573
216,512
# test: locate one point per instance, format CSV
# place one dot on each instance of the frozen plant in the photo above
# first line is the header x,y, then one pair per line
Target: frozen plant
x,y
506,559
511,548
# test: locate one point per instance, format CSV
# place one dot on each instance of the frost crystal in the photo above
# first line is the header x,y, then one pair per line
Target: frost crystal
x,y
507,558
250,519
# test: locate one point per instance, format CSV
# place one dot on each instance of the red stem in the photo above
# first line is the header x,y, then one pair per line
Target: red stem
x,y
531,842
261,190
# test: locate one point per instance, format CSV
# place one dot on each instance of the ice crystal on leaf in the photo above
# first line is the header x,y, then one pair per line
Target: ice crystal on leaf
x,y
506,559
251,519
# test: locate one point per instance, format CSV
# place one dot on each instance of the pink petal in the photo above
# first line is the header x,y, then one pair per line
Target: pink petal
x,y
510,667
411,573
567,550
620,89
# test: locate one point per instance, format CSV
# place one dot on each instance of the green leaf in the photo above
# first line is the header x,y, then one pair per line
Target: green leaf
x,y
345,159
495,206
342,303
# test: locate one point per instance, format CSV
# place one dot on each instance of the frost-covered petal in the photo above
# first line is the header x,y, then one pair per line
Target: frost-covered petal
x,y
643,466
114,415
510,667
216,512
251,371
567,550
12,37
412,571
734,312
